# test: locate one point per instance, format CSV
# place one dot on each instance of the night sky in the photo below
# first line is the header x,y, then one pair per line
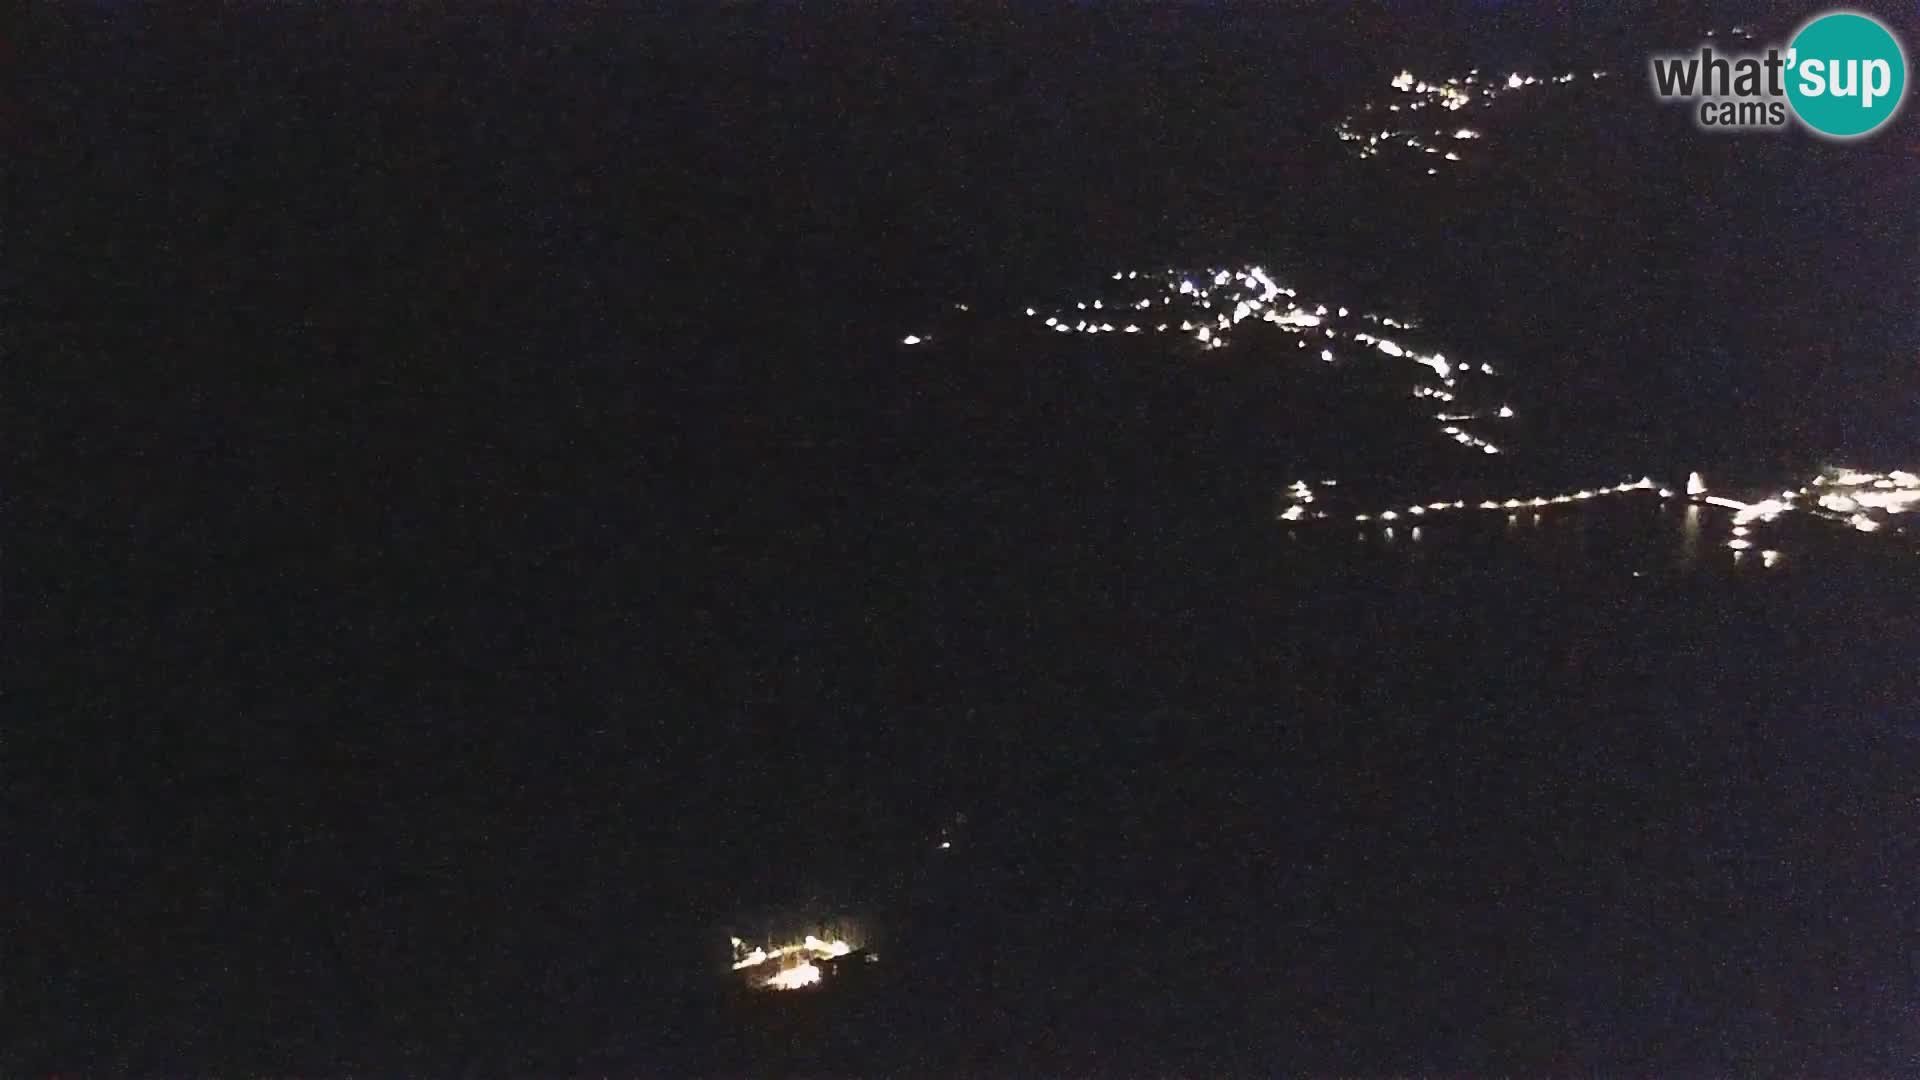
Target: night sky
x,y
481,542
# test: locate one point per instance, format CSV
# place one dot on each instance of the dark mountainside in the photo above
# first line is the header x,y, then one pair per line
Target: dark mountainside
x,y
492,538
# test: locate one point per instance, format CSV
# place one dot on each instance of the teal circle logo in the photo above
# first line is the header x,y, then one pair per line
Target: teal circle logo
x,y
1846,74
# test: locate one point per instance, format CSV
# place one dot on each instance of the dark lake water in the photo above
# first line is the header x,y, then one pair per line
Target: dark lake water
x,y
497,547
1499,794
1499,790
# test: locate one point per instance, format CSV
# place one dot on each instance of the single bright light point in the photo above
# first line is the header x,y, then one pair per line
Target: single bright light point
x,y
911,339
1695,485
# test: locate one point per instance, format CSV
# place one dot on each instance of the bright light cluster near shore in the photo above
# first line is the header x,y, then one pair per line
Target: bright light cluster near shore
x,y
1866,498
1866,502
1862,501
1453,108
1221,308
786,967
1216,307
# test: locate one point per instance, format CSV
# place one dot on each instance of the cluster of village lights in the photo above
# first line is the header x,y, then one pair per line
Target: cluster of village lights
x,y
1212,308
1862,501
1390,124
796,961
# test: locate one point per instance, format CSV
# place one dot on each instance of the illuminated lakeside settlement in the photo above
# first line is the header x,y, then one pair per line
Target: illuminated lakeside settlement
x,y
1257,315
952,540
1218,308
